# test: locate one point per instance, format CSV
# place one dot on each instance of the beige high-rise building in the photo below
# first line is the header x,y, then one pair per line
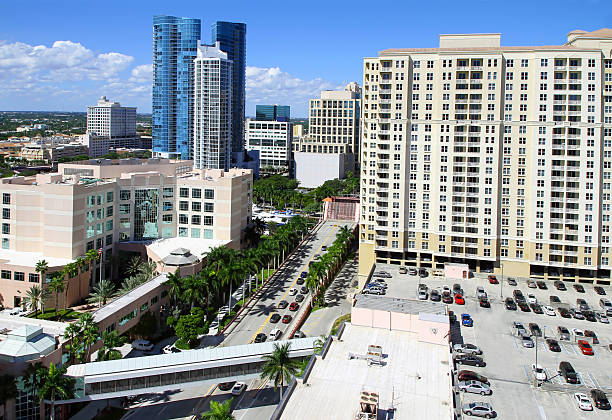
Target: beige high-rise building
x,y
491,156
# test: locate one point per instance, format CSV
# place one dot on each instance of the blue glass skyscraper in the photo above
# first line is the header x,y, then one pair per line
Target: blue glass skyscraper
x,y
175,42
280,113
232,40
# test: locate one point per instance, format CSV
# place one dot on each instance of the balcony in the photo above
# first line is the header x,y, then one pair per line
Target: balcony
x,y
476,68
384,91
383,237
559,67
574,102
383,218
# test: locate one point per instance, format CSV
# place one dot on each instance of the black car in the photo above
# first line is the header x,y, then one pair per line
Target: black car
x,y
524,306
511,281
554,299
457,290
541,285
537,309
589,316
599,290
423,273
470,375
560,285
553,345
300,281
275,318
600,399
535,329
510,305
564,313
469,359
260,338
303,290
579,288
299,298
447,298
484,303
435,296
226,386
569,374
283,304
518,295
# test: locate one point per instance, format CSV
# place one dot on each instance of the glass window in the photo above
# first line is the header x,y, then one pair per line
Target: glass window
x,y
109,239
183,205
125,194
209,207
124,208
182,232
6,198
209,194
146,205
184,192
91,216
195,232
196,193
208,220
144,307
89,246
167,218
34,278
109,225
196,206
6,213
91,200
110,196
168,192
168,206
19,276
6,229
100,214
109,211
207,233
99,199
195,219
5,274
99,228
124,223
183,219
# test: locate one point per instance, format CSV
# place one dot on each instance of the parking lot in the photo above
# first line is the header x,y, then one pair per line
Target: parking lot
x,y
508,363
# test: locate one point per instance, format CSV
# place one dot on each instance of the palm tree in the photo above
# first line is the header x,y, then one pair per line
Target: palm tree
x,y
102,292
55,384
194,292
133,265
32,377
35,298
111,340
91,256
319,344
279,367
72,331
41,267
57,286
88,335
175,285
131,283
219,411
8,391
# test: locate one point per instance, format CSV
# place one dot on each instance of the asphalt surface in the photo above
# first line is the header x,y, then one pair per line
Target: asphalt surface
x,y
256,318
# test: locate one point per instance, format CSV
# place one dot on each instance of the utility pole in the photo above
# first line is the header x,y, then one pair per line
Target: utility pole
x,y
535,379
501,283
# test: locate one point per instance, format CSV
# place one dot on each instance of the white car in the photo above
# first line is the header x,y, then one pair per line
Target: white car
x,y
602,318
445,288
467,348
578,333
531,298
583,402
548,310
142,345
274,334
293,291
480,292
238,388
422,295
538,372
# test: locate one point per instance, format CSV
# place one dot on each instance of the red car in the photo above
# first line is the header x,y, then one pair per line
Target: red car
x,y
294,306
286,319
459,299
493,279
585,347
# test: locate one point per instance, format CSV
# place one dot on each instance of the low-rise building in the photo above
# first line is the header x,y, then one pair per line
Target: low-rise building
x,y
52,152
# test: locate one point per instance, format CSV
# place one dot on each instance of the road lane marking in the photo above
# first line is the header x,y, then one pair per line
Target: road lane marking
x,y
197,407
260,329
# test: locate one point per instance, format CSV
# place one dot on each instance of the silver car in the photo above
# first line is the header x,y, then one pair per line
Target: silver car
x,y
467,348
422,295
478,409
475,387
527,341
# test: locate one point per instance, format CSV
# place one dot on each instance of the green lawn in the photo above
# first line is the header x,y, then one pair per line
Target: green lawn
x,y
62,314
339,321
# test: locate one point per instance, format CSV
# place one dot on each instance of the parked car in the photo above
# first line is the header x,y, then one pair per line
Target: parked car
x,y
294,306
518,295
382,274
282,304
553,345
548,310
554,299
484,303
519,329
579,288
535,329
422,295
467,348
531,284
423,273
457,290
275,334
569,374
275,318
226,386
602,318
592,336
470,359
403,270
466,320
474,387
459,299
299,334
536,308
300,281
304,274
524,306
480,292
423,287
510,305
600,399
527,342
435,296
564,313
299,298
293,291
585,348
447,298
238,388
606,306
412,271
260,338
583,402
564,333
478,409
538,372
286,319
589,316
511,281
373,291
541,285
142,345
493,279
531,298
599,290
469,375
560,285
582,304
303,290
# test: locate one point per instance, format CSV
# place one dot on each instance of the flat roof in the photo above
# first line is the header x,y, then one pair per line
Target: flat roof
x,y
198,247
405,306
13,322
415,378
29,259
127,299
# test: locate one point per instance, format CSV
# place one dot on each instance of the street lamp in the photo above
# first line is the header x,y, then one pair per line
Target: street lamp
x,y
501,283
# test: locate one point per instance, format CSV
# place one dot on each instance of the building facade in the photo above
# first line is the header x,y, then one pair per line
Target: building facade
x,y
273,140
497,157
213,108
273,113
50,152
232,40
110,119
174,50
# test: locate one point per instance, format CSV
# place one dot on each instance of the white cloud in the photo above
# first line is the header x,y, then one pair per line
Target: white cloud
x,y
272,85
142,74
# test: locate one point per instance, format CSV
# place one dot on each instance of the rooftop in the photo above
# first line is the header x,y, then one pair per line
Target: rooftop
x,y
197,247
405,306
414,378
29,259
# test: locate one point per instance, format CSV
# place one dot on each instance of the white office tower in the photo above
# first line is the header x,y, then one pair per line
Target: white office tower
x,y
212,108
111,120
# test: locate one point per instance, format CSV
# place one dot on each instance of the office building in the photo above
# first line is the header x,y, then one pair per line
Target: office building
x,y
273,113
213,108
496,157
273,140
49,152
333,137
112,206
232,40
174,50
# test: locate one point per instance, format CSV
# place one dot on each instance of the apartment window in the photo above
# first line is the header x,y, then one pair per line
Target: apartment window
x,y
5,243
207,221
110,195
124,209
6,213
209,207
196,193
5,274
196,206
184,192
19,276
125,194
6,229
209,194
168,192
167,218
182,232
33,278
6,198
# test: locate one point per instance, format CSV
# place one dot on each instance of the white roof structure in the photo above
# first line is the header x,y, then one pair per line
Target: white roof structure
x,y
414,378
26,343
29,259
198,247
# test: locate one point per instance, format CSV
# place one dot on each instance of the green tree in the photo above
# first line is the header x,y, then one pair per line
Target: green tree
x,y
91,256
146,326
35,298
8,390
187,328
110,342
279,367
175,285
102,292
42,267
54,384
88,335
219,411
194,291
56,285
134,265
72,332
32,377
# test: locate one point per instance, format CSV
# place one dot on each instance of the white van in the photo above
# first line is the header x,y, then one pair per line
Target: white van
x,y
274,334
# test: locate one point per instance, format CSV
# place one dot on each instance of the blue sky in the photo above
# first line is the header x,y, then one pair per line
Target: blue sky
x,y
62,55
